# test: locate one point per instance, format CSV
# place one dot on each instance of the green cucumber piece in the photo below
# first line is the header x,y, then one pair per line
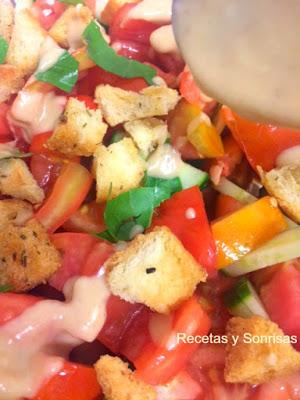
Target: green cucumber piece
x,y
282,248
243,301
191,176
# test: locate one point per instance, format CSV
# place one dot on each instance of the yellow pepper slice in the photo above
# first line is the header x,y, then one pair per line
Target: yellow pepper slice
x,y
205,138
246,229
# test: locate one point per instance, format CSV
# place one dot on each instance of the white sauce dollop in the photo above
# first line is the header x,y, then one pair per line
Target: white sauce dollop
x,y
164,163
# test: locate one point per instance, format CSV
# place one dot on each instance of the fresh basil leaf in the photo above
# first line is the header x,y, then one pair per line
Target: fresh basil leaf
x,y
106,58
117,136
72,2
162,188
105,235
5,288
63,74
3,49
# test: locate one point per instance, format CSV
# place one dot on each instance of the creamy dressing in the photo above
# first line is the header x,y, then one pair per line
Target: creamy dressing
x,y
245,54
190,213
49,54
163,40
36,112
164,163
158,11
32,346
289,156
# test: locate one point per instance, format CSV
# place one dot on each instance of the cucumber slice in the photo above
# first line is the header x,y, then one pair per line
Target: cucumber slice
x,y
282,248
243,301
191,176
231,189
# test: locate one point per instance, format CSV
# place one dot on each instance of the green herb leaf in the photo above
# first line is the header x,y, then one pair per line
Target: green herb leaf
x,y
117,136
3,49
105,57
5,288
63,74
72,2
162,188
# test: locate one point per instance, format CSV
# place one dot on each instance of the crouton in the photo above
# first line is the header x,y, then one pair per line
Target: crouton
x,y
120,105
15,212
112,7
27,256
156,270
69,27
17,181
6,19
11,81
262,359
147,134
118,168
119,383
284,184
26,41
79,132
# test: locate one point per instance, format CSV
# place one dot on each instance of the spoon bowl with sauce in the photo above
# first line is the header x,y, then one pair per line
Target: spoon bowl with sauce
x,y
245,54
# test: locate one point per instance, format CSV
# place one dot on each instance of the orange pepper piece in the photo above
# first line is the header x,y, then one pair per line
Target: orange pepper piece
x,y
206,141
246,229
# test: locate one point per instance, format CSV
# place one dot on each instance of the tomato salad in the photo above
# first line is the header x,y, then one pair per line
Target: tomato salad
x,y
149,239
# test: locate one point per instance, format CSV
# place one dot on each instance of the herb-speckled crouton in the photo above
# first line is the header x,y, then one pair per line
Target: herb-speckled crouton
x,y
118,168
156,270
27,257
79,132
119,383
15,212
147,134
284,184
26,41
17,181
258,362
6,19
68,28
11,81
120,105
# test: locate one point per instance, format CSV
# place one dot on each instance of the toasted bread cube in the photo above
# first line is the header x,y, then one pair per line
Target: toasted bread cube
x,y
6,19
112,7
27,256
26,41
284,184
147,134
119,383
80,131
11,81
156,270
120,105
69,27
118,168
256,358
15,212
17,181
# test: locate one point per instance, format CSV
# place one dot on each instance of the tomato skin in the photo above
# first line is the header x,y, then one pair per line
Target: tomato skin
x,y
48,11
73,382
89,219
69,192
124,28
100,252
5,132
44,171
134,50
280,294
12,305
195,234
226,205
158,364
261,143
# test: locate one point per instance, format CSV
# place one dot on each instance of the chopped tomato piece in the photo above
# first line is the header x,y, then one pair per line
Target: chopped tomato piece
x,y
226,205
261,143
125,28
75,248
5,132
160,363
48,11
246,229
101,251
182,387
281,297
134,50
69,192
44,171
73,382
12,305
89,219
194,233
192,93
